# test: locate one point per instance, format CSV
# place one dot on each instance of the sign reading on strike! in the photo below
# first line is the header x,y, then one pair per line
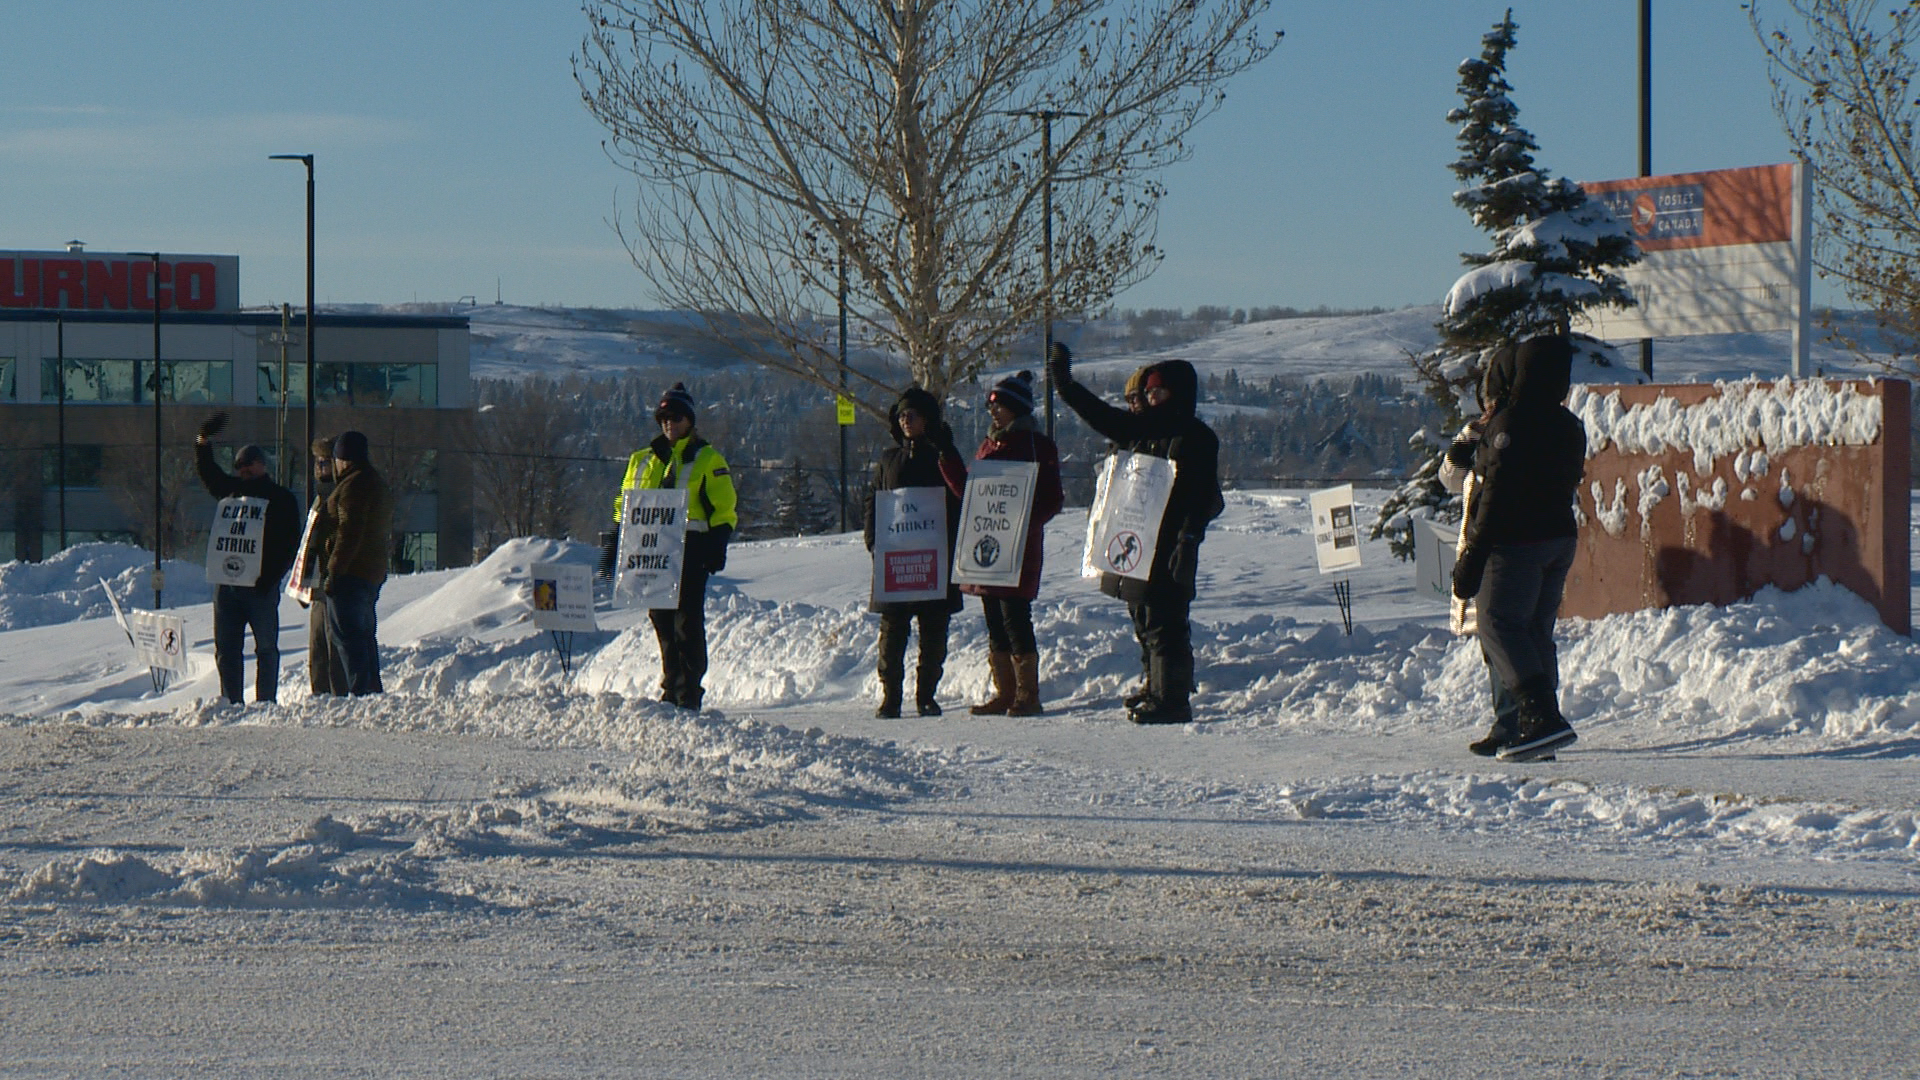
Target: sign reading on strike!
x,y
653,544
993,523
909,545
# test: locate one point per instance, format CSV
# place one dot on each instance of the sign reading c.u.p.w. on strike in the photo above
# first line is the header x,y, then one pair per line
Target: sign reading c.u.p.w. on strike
x,y
653,544
909,545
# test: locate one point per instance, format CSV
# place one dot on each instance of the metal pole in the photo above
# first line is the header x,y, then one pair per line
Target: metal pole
x,y
307,160
159,575
60,388
1046,246
1646,136
286,314
843,388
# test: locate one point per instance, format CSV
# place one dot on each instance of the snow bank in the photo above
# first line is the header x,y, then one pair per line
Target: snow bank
x,y
67,586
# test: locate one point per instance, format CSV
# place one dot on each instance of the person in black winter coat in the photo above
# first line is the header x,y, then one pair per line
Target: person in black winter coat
x,y
238,608
1519,538
925,442
1167,427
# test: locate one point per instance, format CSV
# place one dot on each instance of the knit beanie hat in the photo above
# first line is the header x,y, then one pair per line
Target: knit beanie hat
x,y
350,446
322,449
675,402
1015,392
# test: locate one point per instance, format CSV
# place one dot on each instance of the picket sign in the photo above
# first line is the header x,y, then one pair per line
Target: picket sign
x,y
909,545
1123,528
159,641
653,545
1434,548
993,523
235,540
562,596
300,582
1336,539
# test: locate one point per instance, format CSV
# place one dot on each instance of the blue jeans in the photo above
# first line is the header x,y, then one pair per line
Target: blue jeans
x,y
351,632
237,609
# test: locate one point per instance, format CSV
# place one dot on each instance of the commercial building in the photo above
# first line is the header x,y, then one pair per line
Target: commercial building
x,y
81,464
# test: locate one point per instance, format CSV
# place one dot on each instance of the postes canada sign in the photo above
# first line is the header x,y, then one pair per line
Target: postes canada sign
x,y
90,281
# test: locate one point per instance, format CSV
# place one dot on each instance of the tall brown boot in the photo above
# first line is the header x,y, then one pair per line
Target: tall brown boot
x,y
1003,686
1026,685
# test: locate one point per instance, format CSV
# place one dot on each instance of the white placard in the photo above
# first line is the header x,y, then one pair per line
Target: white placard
x,y
1123,528
236,540
159,641
300,581
653,544
562,596
1434,546
119,616
1336,538
909,545
993,523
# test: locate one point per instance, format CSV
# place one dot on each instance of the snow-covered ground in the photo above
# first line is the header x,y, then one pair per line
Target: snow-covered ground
x,y
497,870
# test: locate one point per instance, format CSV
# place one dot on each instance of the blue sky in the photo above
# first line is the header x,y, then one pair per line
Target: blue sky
x,y
453,151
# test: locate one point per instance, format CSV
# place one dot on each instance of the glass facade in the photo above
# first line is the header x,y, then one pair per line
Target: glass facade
x,y
7,368
399,385
128,381
84,465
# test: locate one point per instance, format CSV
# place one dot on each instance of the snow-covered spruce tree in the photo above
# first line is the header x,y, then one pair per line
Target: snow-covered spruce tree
x,y
1555,253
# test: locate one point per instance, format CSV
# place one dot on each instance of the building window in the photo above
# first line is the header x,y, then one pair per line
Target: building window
x,y
7,366
88,381
416,552
85,462
126,381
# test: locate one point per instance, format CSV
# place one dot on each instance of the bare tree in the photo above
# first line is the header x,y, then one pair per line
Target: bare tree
x,y
526,474
1843,86
774,137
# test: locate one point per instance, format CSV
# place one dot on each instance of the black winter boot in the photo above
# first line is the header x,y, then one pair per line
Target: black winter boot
x,y
1172,681
1542,729
1505,729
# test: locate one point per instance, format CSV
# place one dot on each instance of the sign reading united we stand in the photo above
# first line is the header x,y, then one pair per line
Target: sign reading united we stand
x,y
993,523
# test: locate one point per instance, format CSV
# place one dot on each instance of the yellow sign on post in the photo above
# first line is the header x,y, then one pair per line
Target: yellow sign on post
x,y
845,408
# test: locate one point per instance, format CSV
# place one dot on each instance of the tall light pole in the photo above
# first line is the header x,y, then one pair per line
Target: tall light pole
x,y
60,387
159,575
307,160
1046,118
1646,137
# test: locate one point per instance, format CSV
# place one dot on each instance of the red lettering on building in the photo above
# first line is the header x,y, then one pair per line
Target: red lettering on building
x,y
107,284
20,283
144,294
63,283
193,286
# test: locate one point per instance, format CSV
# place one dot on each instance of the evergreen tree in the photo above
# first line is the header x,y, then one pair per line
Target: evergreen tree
x,y
1556,252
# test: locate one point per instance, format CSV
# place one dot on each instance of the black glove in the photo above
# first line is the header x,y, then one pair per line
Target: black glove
x,y
717,540
1460,454
1468,571
609,551
1060,363
213,425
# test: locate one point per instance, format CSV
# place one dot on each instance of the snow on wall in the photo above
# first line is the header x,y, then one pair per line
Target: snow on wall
x,y
1747,414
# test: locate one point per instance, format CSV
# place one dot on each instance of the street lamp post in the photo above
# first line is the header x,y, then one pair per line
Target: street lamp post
x,y
60,388
1046,118
307,160
159,575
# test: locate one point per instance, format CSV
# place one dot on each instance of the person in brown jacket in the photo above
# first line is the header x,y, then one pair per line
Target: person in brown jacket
x,y
361,509
324,672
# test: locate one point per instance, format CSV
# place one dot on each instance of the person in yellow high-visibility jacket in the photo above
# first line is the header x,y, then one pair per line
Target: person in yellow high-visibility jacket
x,y
681,458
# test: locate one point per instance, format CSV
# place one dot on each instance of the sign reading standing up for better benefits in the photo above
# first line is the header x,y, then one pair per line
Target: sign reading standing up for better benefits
x,y
653,544
993,523
909,545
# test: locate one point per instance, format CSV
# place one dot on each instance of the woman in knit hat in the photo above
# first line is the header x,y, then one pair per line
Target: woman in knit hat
x,y
1013,654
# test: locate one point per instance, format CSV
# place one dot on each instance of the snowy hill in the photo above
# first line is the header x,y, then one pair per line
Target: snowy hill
x,y
514,342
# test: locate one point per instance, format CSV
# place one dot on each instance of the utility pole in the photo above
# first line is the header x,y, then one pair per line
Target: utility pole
x,y
1046,118
1646,137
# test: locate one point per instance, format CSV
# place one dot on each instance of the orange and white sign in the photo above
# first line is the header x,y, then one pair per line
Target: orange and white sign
x,y
1723,252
